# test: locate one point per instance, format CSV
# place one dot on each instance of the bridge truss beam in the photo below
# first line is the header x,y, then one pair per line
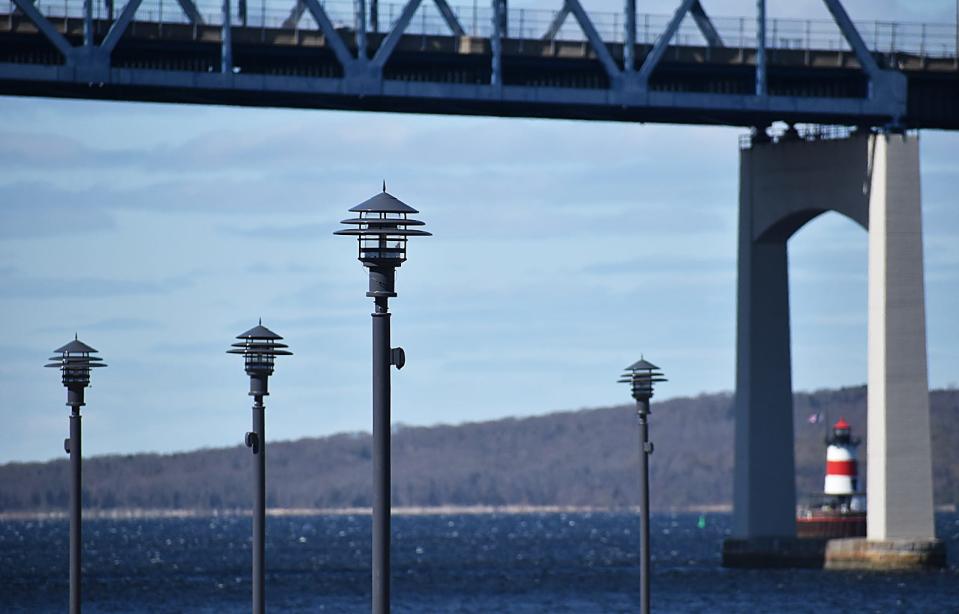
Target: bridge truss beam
x,y
630,93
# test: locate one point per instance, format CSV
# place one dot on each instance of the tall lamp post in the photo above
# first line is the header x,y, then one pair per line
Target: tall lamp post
x,y
259,346
382,229
641,376
75,360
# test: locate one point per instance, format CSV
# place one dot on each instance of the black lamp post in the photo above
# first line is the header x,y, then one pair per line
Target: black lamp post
x,y
259,347
75,360
382,230
641,376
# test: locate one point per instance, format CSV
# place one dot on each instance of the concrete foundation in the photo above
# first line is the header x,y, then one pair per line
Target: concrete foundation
x,y
885,555
834,554
774,553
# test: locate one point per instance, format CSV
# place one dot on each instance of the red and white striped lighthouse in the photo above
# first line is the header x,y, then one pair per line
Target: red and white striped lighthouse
x,y
843,512
842,471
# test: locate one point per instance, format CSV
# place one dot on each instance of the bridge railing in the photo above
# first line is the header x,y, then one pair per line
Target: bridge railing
x,y
927,40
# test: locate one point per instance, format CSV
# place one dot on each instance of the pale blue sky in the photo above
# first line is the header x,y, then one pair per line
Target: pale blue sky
x,y
562,251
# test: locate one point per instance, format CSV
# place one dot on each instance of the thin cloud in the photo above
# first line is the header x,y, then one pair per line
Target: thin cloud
x,y
14,286
304,231
109,325
667,266
37,210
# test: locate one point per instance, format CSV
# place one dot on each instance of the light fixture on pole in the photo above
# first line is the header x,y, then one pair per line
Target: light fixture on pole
x,y
641,376
382,229
75,360
259,346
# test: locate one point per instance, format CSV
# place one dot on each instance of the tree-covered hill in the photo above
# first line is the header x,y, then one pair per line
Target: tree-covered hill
x,y
577,458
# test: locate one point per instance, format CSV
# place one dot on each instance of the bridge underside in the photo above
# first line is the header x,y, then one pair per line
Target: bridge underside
x,y
179,63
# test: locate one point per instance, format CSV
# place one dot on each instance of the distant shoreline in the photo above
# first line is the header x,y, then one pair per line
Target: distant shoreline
x,y
441,510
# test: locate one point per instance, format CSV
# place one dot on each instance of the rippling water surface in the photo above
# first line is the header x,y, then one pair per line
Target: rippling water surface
x,y
458,563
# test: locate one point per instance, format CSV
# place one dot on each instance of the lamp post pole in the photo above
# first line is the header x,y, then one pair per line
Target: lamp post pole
x,y
75,360
74,448
641,376
381,455
258,446
646,448
382,230
259,347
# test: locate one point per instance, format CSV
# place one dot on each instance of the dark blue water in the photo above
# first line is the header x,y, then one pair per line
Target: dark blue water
x,y
458,563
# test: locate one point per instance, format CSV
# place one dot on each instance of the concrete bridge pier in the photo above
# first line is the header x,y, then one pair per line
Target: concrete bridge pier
x,y
899,488
874,180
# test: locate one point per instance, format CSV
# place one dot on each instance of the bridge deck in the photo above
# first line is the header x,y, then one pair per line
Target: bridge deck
x,y
277,64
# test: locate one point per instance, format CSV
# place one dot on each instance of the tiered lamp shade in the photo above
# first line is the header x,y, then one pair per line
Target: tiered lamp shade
x,y
259,347
641,375
75,360
382,229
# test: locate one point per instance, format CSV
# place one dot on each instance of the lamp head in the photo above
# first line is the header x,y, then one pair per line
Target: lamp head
x,y
75,360
382,228
259,347
641,375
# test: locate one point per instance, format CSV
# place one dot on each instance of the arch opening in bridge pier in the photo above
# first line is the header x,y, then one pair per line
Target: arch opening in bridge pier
x,y
828,302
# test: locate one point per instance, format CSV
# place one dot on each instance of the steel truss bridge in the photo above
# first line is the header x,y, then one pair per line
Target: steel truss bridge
x,y
427,56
